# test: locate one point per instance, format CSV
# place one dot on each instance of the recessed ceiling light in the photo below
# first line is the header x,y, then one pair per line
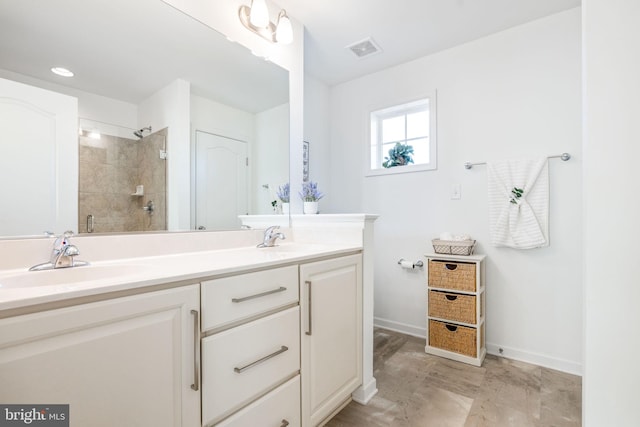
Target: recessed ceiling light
x,y
62,72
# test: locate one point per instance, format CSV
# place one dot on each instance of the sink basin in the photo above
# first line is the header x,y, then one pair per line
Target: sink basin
x,y
291,248
73,275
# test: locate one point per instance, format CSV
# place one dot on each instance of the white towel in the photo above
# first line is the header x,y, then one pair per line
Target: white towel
x,y
519,219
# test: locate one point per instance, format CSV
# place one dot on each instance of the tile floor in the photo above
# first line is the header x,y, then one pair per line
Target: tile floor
x,y
416,389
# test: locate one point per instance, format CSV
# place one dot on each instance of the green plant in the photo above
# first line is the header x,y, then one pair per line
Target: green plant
x,y
516,193
399,155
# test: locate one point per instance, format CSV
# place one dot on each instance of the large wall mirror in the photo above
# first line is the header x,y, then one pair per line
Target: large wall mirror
x,y
154,85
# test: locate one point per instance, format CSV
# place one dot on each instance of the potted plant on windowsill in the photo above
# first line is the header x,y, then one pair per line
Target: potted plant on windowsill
x,y
283,194
399,155
310,196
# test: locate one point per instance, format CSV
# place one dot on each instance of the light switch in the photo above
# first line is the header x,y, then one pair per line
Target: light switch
x,y
456,192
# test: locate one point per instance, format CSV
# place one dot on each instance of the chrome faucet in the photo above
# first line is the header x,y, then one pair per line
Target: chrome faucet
x,y
270,236
63,254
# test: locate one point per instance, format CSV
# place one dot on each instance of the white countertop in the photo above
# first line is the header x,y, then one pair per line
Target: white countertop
x,y
20,288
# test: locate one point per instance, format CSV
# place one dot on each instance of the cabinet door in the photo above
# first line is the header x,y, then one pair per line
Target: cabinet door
x,y
331,334
124,362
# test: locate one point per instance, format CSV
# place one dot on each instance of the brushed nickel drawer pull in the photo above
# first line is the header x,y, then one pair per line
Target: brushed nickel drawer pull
x,y
196,350
90,223
285,423
263,294
308,283
259,361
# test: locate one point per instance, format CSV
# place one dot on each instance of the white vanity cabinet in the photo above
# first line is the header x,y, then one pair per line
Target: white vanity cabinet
x,y
331,335
124,361
251,349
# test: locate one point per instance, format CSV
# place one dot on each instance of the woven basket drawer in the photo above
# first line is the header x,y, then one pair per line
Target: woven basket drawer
x,y
459,276
451,306
456,338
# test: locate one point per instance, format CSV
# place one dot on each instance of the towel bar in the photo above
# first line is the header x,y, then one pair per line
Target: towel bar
x,y
564,157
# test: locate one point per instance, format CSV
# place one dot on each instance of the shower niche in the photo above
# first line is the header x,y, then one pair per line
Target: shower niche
x,y
115,164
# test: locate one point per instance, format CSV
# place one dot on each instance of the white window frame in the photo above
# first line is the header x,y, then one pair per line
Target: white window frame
x,y
404,107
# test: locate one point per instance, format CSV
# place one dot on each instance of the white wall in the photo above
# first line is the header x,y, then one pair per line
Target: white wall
x,y
512,94
611,152
318,134
214,117
170,107
270,157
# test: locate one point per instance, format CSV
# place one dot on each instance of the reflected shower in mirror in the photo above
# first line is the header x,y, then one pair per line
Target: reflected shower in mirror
x,y
145,64
122,179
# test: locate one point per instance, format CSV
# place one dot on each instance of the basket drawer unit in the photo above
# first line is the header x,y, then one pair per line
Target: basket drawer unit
x,y
452,337
246,362
456,307
460,276
452,306
231,300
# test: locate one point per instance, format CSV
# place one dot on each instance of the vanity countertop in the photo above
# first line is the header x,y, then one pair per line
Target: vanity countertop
x,y
21,289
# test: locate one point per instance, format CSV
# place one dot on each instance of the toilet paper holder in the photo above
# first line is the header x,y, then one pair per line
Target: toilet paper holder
x,y
405,264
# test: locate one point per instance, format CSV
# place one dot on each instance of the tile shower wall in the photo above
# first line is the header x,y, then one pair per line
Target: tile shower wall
x,y
110,169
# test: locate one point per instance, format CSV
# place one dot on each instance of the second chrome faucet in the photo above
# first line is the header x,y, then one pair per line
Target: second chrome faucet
x,y
63,254
270,236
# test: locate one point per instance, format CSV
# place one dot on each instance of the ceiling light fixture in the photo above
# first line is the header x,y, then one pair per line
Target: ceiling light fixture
x,y
61,71
256,19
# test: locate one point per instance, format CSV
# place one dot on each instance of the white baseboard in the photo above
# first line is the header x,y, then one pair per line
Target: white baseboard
x,y
535,358
365,393
563,365
400,327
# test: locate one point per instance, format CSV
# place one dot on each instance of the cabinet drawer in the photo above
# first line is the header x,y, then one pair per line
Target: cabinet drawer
x,y
243,363
232,299
277,408
452,306
456,338
459,276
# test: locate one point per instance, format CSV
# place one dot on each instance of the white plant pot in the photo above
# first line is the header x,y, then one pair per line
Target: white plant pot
x,y
310,208
285,208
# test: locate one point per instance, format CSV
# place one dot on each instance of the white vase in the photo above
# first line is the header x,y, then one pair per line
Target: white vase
x,y
310,207
285,208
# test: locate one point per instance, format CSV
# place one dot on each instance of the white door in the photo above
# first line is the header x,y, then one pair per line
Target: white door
x,y
39,161
221,181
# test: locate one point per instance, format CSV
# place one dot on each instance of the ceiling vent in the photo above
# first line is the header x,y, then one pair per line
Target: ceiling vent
x,y
366,47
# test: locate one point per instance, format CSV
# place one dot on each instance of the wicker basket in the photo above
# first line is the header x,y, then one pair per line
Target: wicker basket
x,y
457,276
453,247
456,338
452,306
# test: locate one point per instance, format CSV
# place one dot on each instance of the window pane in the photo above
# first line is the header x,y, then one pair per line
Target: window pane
x,y
406,124
393,129
420,150
418,124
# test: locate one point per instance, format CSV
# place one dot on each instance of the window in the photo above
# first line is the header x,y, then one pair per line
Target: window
x,y
402,138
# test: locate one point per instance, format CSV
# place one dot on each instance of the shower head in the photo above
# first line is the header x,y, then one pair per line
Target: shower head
x,y
139,132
